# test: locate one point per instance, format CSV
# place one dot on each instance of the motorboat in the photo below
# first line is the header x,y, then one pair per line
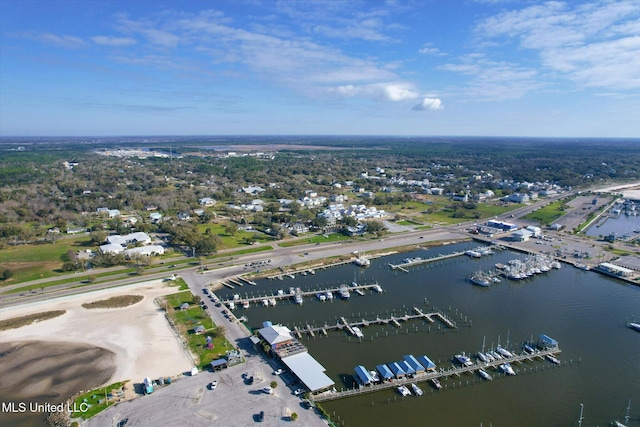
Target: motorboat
x,y
504,352
482,357
485,375
480,279
403,390
344,293
463,360
272,301
377,288
357,332
375,376
553,359
416,390
436,383
298,299
245,304
635,326
265,302
322,297
329,295
507,369
528,348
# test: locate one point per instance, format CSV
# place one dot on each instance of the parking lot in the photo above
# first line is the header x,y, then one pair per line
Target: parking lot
x,y
235,401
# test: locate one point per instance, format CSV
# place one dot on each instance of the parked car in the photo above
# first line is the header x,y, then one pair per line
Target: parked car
x,y
299,391
213,385
278,371
267,390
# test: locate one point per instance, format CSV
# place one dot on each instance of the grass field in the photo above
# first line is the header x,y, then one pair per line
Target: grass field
x,y
18,322
333,237
96,400
548,214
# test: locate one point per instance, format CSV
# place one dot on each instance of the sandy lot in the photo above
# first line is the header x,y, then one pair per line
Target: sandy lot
x,y
138,335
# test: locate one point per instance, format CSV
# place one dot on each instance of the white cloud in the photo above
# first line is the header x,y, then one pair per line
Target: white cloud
x,y
396,92
428,104
594,44
68,42
113,41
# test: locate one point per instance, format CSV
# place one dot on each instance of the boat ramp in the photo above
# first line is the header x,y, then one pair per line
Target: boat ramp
x,y
428,376
349,326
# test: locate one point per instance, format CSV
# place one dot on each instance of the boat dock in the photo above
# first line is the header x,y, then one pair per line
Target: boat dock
x,y
454,371
343,324
288,295
415,262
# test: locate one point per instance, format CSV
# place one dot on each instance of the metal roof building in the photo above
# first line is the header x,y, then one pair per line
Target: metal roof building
x,y
384,371
309,371
363,375
411,360
406,367
427,363
397,370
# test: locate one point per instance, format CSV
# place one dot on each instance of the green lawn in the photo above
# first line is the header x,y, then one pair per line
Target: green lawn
x,y
92,402
333,237
37,261
547,215
228,241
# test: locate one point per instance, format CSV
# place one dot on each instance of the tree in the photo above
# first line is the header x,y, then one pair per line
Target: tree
x,y
7,274
273,384
231,228
98,237
376,227
294,416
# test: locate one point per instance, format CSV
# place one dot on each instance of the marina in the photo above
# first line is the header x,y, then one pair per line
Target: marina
x,y
416,261
548,302
502,365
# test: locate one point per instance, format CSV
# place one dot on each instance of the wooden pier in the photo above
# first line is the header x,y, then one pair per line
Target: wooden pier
x,y
403,266
343,324
454,371
289,295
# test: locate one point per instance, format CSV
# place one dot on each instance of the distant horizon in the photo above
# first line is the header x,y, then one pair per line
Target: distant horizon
x,y
556,69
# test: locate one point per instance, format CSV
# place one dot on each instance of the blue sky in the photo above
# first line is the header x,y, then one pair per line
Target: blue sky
x,y
371,67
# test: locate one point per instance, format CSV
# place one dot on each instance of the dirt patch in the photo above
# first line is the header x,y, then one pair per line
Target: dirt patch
x,y
18,322
119,301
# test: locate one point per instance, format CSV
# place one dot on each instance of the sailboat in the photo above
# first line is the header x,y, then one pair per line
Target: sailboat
x,y
617,423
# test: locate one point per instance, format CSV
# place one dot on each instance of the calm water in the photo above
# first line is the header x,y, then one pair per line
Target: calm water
x,y
620,225
584,311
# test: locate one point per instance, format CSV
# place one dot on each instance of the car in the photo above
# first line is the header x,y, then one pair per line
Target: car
x,y
205,290
267,390
213,384
204,307
299,391
278,371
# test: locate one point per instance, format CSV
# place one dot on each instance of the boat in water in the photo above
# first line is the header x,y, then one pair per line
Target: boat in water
x,y
504,352
507,369
377,288
357,332
481,279
403,390
329,295
362,262
344,292
375,376
485,375
321,297
436,383
617,423
473,254
265,302
482,357
245,304
635,326
528,348
553,359
411,260
463,359
416,390
272,301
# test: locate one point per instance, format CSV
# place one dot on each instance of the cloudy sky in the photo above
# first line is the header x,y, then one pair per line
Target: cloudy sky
x,y
330,67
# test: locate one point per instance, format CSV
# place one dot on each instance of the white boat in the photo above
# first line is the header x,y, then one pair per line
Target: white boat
x,y
411,260
482,357
473,254
507,369
496,355
553,359
529,349
404,391
416,390
484,374
280,292
480,279
344,293
329,295
245,304
357,332
463,359
231,305
377,288
298,299
635,326
504,352
584,267
436,383
272,301
322,297
362,262
626,417
375,376
359,292
265,302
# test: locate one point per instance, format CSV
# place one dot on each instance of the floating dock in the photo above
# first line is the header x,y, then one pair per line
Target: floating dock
x,y
427,376
343,324
413,262
288,295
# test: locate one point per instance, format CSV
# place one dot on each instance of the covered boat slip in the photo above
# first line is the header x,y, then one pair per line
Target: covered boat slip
x,y
427,363
363,376
309,371
384,371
